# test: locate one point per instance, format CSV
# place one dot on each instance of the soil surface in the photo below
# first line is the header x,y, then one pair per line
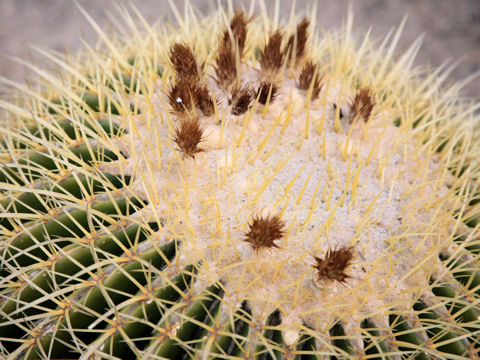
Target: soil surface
x,y
451,28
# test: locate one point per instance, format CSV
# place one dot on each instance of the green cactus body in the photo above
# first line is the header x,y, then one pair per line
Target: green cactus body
x,y
230,191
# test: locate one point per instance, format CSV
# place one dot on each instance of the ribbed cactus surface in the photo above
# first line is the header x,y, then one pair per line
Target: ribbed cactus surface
x,y
234,188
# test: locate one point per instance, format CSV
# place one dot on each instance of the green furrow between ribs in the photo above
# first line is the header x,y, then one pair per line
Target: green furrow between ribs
x,y
36,201
64,270
151,311
117,286
28,248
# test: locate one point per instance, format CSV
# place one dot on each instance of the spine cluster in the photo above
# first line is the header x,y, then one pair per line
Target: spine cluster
x,y
190,91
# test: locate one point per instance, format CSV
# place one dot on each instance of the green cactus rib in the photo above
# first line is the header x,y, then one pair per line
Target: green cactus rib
x,y
465,315
340,340
437,334
116,288
46,195
471,218
139,318
28,248
60,129
94,102
473,245
272,341
463,273
129,84
66,270
408,340
75,258
306,348
117,82
236,330
158,68
373,344
33,166
192,326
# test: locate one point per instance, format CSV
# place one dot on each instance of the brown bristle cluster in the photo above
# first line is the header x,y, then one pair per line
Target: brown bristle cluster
x,y
231,52
294,56
264,231
226,66
238,25
266,88
183,96
180,97
242,98
309,76
188,135
203,100
334,265
184,62
362,105
189,90
272,57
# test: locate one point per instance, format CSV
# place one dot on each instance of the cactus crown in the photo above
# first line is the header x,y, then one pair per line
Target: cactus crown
x,y
238,188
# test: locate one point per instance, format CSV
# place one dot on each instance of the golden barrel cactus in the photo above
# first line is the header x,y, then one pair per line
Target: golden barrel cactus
x,y
233,188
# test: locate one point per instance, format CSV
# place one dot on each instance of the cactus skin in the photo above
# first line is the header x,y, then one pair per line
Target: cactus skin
x,y
104,252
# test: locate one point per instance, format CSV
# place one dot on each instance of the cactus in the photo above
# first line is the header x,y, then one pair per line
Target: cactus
x,y
238,189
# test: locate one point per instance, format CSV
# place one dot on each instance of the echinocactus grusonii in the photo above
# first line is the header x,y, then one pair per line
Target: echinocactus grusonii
x,y
238,189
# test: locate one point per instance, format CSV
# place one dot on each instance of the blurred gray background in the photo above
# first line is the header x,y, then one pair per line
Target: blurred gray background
x,y
451,27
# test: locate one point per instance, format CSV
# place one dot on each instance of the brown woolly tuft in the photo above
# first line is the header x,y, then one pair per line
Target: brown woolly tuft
x,y
334,265
264,89
226,60
188,135
272,56
226,65
184,62
184,95
242,98
238,25
203,100
301,42
308,75
263,231
180,97
362,104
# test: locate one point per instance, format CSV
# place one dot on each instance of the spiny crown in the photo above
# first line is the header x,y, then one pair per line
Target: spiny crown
x,y
309,76
188,135
231,52
267,91
334,265
242,98
272,56
297,43
263,231
362,104
184,62
238,26
189,90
